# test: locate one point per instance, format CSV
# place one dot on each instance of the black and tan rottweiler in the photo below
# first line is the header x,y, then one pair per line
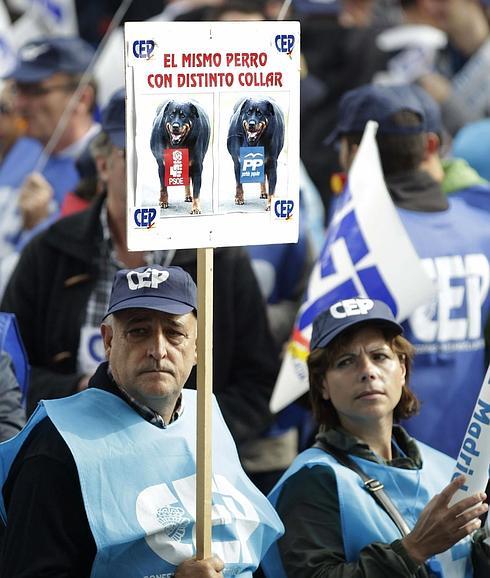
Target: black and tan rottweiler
x,y
181,125
256,122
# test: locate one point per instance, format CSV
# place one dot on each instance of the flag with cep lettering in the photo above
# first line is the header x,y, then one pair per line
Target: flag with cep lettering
x,y
366,253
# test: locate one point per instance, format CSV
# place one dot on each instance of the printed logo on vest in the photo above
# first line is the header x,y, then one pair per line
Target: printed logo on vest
x,y
174,522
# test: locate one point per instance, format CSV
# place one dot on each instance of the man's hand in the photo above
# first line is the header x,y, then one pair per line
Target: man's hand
x,y
34,200
439,526
208,568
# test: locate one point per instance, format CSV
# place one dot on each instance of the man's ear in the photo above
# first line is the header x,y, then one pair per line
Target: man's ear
x,y
325,390
432,144
107,333
102,162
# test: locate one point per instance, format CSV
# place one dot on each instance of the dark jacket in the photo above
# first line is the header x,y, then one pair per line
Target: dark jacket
x,y
51,286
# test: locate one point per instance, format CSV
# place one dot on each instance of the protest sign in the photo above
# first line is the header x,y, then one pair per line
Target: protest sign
x,y
367,253
213,129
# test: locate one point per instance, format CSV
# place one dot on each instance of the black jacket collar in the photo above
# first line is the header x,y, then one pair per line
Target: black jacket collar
x,y
416,191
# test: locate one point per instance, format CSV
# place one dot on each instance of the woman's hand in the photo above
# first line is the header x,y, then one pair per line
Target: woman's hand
x,y
439,526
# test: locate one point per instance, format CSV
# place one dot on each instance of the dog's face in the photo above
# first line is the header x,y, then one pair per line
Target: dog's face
x,y
179,118
256,115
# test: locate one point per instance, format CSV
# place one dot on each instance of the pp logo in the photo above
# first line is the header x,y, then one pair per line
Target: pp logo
x,y
145,218
284,43
143,48
283,208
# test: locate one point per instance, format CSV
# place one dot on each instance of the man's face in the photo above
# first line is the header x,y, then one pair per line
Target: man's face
x,y
42,104
151,354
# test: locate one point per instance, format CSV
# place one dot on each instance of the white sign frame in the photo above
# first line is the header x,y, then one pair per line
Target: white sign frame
x,y
274,47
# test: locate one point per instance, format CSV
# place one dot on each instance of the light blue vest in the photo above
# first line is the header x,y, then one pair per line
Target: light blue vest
x,y
363,521
138,487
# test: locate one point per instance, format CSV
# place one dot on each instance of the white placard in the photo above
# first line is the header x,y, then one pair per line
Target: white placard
x,y
205,70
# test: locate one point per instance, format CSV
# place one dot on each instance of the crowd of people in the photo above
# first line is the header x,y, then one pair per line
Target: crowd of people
x,y
101,478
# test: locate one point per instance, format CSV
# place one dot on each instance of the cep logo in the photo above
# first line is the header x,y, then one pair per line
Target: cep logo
x,y
149,278
284,43
283,208
145,218
349,307
143,48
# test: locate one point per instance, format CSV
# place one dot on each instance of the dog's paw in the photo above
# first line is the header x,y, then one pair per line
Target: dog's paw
x,y
188,199
268,208
239,201
196,212
263,195
163,205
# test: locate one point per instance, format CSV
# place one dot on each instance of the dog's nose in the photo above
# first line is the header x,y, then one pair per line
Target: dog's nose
x,y
175,126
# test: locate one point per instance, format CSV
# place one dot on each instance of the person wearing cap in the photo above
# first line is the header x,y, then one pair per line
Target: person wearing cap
x,y
46,77
359,368
103,483
452,239
73,263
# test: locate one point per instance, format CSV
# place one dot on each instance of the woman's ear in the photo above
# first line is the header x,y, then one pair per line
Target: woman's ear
x,y
403,368
325,390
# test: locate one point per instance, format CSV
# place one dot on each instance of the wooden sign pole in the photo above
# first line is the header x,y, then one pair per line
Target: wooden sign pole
x,y
204,400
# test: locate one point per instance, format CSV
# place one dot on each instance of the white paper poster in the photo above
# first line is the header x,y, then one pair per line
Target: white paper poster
x,y
213,133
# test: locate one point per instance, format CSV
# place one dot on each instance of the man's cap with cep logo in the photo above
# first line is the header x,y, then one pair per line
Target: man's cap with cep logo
x,y
167,289
379,103
40,59
114,118
346,313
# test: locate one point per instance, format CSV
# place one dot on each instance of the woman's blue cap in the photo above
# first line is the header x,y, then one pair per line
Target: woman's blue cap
x,y
347,313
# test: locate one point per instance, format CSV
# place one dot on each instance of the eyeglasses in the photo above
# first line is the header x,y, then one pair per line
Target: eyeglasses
x,y
39,90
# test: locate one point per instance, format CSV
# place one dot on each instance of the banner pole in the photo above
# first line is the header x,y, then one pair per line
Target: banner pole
x,y
204,400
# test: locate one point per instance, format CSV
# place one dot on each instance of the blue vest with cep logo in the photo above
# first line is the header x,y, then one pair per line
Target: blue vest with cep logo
x,y
448,334
138,487
363,521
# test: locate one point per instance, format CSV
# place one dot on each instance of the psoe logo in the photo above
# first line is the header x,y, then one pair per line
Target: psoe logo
x,y
283,208
284,43
145,218
143,48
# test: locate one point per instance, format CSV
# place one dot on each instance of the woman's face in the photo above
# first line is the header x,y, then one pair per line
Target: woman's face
x,y
365,381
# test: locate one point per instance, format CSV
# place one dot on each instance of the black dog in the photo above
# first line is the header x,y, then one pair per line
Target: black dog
x,y
256,122
181,125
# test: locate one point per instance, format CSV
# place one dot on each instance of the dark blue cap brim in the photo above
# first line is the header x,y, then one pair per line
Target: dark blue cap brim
x,y
326,339
118,138
27,73
155,303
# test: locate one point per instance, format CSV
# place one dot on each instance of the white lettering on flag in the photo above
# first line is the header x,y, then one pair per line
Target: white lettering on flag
x,y
367,253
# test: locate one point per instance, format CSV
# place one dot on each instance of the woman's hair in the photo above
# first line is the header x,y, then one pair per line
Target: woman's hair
x,y
322,359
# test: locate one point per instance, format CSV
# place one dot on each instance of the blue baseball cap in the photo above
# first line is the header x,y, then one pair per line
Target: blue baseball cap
x,y
317,6
379,103
114,118
347,313
167,289
40,59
